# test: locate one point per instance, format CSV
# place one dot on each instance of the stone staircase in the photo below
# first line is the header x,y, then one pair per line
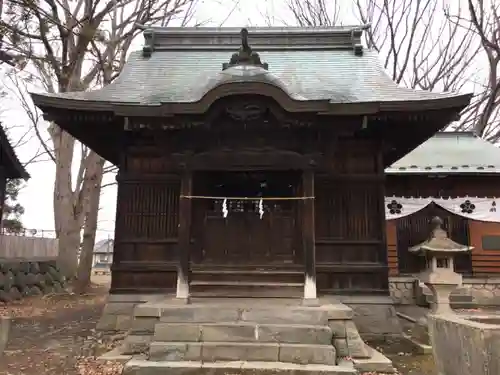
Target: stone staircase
x,y
254,334
242,341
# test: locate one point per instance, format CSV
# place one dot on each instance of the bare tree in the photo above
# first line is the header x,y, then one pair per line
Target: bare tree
x,y
420,48
4,56
484,114
309,13
62,46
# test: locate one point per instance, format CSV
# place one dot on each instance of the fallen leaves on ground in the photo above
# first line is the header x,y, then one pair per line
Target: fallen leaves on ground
x,y
50,304
55,334
92,366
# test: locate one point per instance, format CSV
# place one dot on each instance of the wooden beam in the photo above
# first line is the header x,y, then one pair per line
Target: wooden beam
x,y
308,238
182,292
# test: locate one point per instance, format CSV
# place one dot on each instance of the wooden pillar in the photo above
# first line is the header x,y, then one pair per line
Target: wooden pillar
x,y
184,234
308,238
383,250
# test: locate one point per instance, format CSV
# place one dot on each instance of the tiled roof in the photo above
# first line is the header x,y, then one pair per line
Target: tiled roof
x,y
450,153
103,246
9,160
308,64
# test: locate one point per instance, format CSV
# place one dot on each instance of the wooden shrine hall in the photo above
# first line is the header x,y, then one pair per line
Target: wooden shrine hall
x,y
10,168
251,162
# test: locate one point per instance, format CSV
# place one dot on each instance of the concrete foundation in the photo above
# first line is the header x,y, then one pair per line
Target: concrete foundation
x,y
375,317
254,331
474,292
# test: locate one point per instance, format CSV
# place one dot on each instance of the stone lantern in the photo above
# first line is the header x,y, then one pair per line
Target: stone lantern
x,y
439,275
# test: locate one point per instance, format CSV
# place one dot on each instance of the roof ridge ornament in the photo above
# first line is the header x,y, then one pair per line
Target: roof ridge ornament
x,y
149,39
356,35
245,55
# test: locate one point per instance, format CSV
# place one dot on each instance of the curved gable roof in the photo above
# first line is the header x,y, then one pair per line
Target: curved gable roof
x,y
316,64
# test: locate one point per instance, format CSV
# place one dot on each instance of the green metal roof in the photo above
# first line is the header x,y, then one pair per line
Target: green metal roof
x,y
315,64
450,153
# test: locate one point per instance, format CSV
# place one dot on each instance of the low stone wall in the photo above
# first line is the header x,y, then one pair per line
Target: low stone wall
x,y
484,291
402,290
21,277
464,347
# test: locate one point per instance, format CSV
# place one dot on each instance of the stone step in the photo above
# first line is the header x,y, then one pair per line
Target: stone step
x,y
143,367
143,325
254,289
378,363
217,314
240,310
243,332
135,344
242,351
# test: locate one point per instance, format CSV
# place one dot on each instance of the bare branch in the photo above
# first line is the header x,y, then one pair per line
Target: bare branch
x,y
427,45
61,46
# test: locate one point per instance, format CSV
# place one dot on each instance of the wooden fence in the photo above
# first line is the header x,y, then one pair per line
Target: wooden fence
x,y
27,247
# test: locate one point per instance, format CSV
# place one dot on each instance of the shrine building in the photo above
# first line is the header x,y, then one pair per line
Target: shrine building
x,y
251,165
453,175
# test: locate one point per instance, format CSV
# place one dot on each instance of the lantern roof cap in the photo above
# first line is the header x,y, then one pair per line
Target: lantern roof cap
x,y
438,241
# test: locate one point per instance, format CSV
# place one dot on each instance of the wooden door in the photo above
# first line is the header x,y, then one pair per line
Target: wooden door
x,y
243,237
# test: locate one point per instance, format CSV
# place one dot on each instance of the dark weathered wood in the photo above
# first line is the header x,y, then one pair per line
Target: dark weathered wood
x,y
380,216
349,231
308,236
339,232
414,229
184,236
244,237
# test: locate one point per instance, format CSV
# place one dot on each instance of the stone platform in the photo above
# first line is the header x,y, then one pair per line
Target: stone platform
x,y
143,367
252,334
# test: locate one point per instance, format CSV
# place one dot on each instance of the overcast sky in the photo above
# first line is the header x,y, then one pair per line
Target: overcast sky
x,y
36,196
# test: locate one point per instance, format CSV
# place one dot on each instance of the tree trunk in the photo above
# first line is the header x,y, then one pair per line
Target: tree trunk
x,y
66,225
93,192
69,244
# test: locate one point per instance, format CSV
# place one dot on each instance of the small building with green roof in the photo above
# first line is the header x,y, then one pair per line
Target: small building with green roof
x,y
456,176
